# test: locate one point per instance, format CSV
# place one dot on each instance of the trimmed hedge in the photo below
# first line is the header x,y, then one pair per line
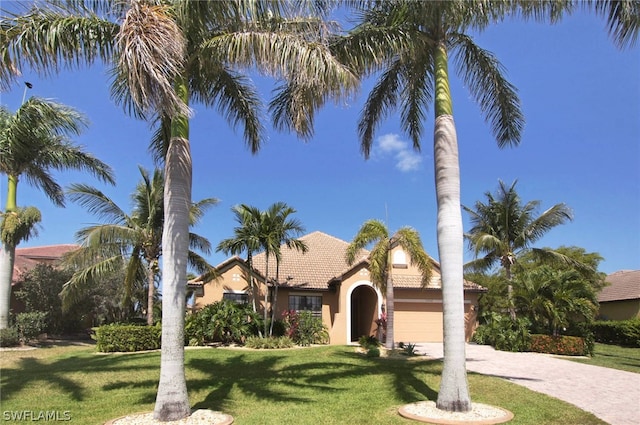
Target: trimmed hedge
x,y
127,338
563,345
623,332
269,343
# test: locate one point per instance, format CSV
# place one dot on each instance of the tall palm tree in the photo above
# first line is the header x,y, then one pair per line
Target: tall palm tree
x,y
503,229
133,240
34,141
165,55
376,232
407,44
413,74
279,229
245,239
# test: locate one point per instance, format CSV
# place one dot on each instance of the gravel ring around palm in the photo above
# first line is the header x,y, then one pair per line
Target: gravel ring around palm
x,y
197,417
480,414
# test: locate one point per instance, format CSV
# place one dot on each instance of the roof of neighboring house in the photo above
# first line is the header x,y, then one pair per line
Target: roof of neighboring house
x,y
27,258
623,285
324,263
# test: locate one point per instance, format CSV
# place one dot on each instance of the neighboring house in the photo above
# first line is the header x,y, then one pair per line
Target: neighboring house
x,y
321,281
620,300
27,258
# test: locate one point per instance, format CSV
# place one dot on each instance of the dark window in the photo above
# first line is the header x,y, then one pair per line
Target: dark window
x,y
238,298
312,303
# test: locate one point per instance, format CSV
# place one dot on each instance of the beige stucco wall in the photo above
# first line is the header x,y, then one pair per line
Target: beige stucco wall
x,y
232,280
620,310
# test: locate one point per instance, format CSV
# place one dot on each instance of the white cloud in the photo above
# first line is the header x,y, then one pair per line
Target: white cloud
x,y
392,145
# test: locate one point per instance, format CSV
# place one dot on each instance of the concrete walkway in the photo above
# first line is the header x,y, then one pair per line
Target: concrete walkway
x,y
611,395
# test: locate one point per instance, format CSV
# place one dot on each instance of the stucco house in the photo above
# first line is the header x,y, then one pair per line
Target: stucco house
x,y
620,300
343,296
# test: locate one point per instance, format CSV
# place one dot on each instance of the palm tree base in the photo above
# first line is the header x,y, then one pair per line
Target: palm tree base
x,y
480,414
200,416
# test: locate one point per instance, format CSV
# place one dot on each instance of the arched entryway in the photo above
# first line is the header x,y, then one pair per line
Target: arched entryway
x,y
364,309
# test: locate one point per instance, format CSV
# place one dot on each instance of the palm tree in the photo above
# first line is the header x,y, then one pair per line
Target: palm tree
x,y
503,229
279,229
164,55
246,239
407,44
413,40
34,141
376,232
134,239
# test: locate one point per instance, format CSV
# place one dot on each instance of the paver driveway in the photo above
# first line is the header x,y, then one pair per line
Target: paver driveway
x,y
612,395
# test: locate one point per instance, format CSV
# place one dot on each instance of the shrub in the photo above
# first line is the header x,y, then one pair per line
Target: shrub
x,y
373,352
30,325
9,337
503,333
223,321
563,345
304,329
127,338
624,332
408,349
367,341
269,343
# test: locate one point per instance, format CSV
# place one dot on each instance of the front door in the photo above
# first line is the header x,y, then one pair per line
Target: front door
x,y
364,312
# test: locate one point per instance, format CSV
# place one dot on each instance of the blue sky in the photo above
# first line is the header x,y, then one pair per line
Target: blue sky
x,y
581,146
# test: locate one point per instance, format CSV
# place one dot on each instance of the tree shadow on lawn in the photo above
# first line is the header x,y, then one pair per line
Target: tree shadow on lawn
x,y
274,379
30,371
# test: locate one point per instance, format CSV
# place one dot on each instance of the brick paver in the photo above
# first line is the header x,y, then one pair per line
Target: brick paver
x,y
611,395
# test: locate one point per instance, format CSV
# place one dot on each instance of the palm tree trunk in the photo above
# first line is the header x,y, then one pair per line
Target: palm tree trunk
x,y
150,291
7,257
275,298
389,342
454,388
512,309
172,401
252,286
266,292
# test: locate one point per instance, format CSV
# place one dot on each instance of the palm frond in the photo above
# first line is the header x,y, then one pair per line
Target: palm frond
x,y
152,50
72,40
97,203
623,19
237,100
372,231
380,102
497,98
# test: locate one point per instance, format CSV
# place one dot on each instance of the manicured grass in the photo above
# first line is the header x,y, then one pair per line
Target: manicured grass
x,y
328,385
614,357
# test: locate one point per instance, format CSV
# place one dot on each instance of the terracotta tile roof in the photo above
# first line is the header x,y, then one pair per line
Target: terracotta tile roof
x,y
28,258
314,269
325,261
623,285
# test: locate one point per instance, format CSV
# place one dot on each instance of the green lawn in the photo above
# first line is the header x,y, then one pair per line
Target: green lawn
x,y
614,357
328,385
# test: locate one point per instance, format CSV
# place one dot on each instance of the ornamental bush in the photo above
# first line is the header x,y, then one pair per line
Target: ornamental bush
x,y
9,337
563,345
127,338
223,321
304,329
30,325
502,333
